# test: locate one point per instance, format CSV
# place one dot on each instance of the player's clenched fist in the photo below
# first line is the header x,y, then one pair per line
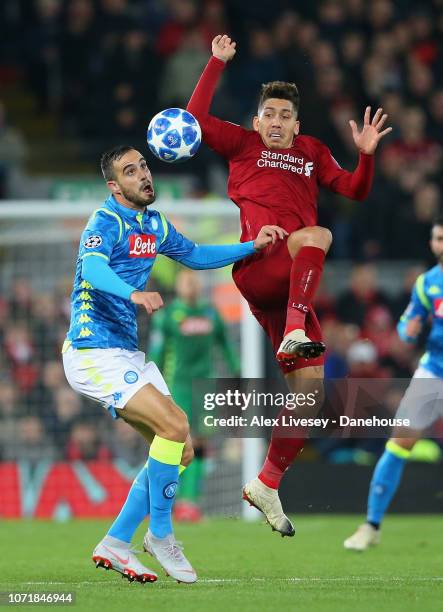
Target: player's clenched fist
x,y
269,234
223,47
151,300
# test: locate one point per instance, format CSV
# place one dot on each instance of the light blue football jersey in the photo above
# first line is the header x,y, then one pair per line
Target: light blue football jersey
x,y
427,302
129,241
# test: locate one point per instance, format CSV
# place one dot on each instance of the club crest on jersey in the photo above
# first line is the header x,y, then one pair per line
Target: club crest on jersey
x,y
438,308
92,242
196,326
131,377
142,245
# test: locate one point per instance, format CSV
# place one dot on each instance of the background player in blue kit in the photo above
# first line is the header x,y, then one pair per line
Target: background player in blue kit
x,y
422,403
117,251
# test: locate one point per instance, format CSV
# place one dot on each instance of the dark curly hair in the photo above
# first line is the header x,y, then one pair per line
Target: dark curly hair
x,y
109,157
281,90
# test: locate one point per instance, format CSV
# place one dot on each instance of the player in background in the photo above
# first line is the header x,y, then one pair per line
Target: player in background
x,y
422,403
274,176
184,336
117,251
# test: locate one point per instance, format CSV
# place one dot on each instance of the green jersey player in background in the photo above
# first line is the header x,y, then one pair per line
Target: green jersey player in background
x,y
184,336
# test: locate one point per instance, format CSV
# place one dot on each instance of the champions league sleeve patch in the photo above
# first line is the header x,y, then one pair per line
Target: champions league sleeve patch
x,y
93,242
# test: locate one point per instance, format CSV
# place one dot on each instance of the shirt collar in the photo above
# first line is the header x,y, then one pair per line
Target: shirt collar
x,y
123,211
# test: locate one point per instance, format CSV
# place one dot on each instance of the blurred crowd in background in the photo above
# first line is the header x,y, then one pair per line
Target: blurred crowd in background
x,y
102,68
77,76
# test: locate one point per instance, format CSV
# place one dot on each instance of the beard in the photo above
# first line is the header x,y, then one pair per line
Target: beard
x,y
138,198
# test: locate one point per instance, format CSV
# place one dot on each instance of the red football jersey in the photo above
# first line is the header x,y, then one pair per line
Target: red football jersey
x,y
273,186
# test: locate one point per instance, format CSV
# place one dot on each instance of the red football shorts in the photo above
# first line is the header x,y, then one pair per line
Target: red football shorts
x,y
263,280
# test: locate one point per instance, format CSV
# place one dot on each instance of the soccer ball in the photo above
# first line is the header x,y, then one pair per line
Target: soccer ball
x,y
174,135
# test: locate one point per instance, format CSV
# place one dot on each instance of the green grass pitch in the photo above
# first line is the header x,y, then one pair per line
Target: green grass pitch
x,y
241,567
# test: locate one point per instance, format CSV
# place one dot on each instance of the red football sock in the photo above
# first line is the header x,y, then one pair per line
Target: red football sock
x,y
282,451
306,271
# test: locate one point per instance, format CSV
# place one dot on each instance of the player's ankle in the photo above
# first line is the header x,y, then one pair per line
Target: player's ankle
x,y
376,526
271,483
292,328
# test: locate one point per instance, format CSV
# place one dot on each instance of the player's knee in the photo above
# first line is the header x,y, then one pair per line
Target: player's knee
x,y
188,455
406,443
181,426
316,236
174,426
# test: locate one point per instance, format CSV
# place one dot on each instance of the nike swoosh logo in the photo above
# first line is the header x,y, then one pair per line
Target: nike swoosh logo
x,y
123,561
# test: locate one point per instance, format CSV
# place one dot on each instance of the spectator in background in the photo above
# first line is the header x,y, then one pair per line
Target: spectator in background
x,y
10,411
43,396
67,410
85,444
42,42
31,443
21,354
4,319
126,445
338,338
362,360
12,155
182,69
20,299
415,223
77,54
400,360
414,150
261,65
114,20
44,326
435,109
355,303
183,18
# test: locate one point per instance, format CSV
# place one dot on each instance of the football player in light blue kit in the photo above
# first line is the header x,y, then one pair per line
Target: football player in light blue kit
x,y
423,400
117,251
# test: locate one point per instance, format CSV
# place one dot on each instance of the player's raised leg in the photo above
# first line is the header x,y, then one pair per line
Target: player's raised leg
x,y
285,445
307,248
384,484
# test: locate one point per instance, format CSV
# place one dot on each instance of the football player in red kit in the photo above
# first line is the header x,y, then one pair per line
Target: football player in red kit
x,y
274,178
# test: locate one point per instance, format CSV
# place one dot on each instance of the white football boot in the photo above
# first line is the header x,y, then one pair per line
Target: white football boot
x,y
297,344
268,502
365,536
169,553
113,554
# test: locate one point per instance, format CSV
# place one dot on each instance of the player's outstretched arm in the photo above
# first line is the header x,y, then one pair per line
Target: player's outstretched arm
x,y
367,139
223,47
221,136
355,185
208,256
269,234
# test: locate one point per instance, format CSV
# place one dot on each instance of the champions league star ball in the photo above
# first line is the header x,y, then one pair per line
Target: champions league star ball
x,y
174,135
